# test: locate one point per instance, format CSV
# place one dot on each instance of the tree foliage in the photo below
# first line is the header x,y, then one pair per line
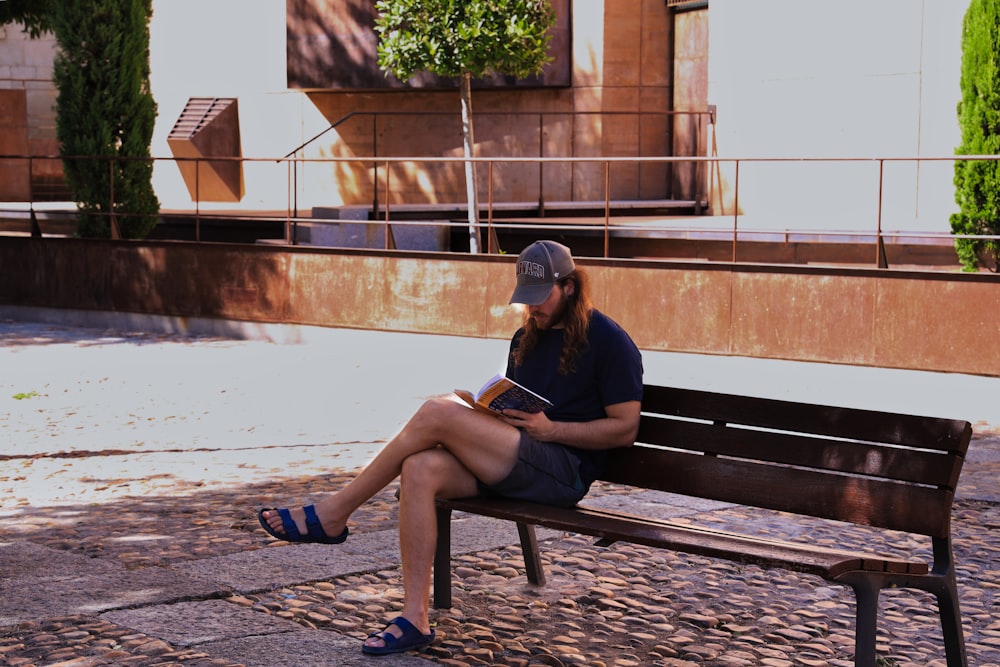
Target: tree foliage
x,y
453,37
32,14
105,111
977,182
464,39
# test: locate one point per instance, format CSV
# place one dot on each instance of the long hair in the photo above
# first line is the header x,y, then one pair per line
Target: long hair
x,y
576,321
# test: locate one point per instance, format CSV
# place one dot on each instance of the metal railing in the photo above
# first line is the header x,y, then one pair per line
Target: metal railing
x,y
702,119
868,228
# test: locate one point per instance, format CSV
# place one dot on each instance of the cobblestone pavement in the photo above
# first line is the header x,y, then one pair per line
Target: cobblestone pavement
x,y
102,475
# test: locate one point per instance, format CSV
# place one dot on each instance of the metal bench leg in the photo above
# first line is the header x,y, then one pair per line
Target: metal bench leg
x,y
951,626
866,593
532,559
940,583
442,560
945,589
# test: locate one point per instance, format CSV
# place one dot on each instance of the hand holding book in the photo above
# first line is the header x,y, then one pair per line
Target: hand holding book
x,y
501,393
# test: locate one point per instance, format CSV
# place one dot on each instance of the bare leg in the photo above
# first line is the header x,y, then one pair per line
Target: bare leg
x,y
486,447
426,476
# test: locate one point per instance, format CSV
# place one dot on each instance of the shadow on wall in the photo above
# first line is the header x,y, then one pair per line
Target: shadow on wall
x,y
333,45
231,283
245,283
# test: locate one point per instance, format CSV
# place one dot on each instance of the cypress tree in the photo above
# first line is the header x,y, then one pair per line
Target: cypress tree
x,y
105,109
977,182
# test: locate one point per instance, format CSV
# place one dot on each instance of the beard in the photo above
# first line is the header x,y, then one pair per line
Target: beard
x,y
544,321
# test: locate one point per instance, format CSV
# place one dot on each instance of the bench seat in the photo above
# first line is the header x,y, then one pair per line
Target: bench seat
x,y
611,526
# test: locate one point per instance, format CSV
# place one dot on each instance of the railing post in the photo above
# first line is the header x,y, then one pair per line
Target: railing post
x,y
736,206
607,207
375,168
288,202
881,261
295,199
197,200
295,187
390,242
489,208
36,230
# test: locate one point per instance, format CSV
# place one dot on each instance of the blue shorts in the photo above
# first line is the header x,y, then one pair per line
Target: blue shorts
x,y
546,472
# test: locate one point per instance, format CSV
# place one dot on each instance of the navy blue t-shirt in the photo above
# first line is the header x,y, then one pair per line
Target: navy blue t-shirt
x,y
608,371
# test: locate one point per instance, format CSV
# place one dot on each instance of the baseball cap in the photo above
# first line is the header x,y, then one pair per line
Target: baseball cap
x,y
539,266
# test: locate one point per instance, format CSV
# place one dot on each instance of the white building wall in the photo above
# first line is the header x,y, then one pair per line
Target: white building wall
x,y
228,48
846,79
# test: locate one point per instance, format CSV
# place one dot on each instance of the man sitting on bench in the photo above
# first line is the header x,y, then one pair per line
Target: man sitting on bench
x,y
568,352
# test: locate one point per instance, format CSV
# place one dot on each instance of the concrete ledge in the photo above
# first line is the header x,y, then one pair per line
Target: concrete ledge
x,y
917,320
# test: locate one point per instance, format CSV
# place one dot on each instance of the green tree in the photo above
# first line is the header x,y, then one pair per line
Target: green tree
x,y
464,39
105,111
977,182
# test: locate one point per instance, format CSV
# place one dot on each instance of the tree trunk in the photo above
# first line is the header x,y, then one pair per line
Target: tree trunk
x,y
471,183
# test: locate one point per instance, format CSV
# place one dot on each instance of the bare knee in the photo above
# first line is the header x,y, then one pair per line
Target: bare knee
x,y
435,473
422,471
433,413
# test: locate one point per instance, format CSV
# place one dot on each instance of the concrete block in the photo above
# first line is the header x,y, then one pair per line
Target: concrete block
x,y
340,232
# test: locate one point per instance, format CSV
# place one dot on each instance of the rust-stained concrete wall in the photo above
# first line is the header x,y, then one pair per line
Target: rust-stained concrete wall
x,y
887,318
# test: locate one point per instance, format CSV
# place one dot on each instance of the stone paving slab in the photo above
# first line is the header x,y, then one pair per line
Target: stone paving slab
x,y
267,569
39,582
328,649
224,630
137,638
187,624
26,559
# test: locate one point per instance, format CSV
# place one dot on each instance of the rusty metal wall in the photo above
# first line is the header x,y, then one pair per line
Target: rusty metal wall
x,y
896,319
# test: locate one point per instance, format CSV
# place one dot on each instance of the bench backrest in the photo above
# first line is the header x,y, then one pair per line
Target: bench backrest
x,y
873,468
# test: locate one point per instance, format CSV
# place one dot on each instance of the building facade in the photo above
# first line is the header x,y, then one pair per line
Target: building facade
x,y
768,82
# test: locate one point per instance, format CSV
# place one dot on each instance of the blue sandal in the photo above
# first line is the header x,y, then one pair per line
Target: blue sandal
x,y
314,530
409,640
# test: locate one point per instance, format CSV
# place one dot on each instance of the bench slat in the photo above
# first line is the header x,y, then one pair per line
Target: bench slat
x,y
839,422
861,500
619,526
907,464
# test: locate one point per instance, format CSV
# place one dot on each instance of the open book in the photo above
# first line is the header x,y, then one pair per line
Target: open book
x,y
501,393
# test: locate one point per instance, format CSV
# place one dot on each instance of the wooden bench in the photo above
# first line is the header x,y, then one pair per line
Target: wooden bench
x,y
889,471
